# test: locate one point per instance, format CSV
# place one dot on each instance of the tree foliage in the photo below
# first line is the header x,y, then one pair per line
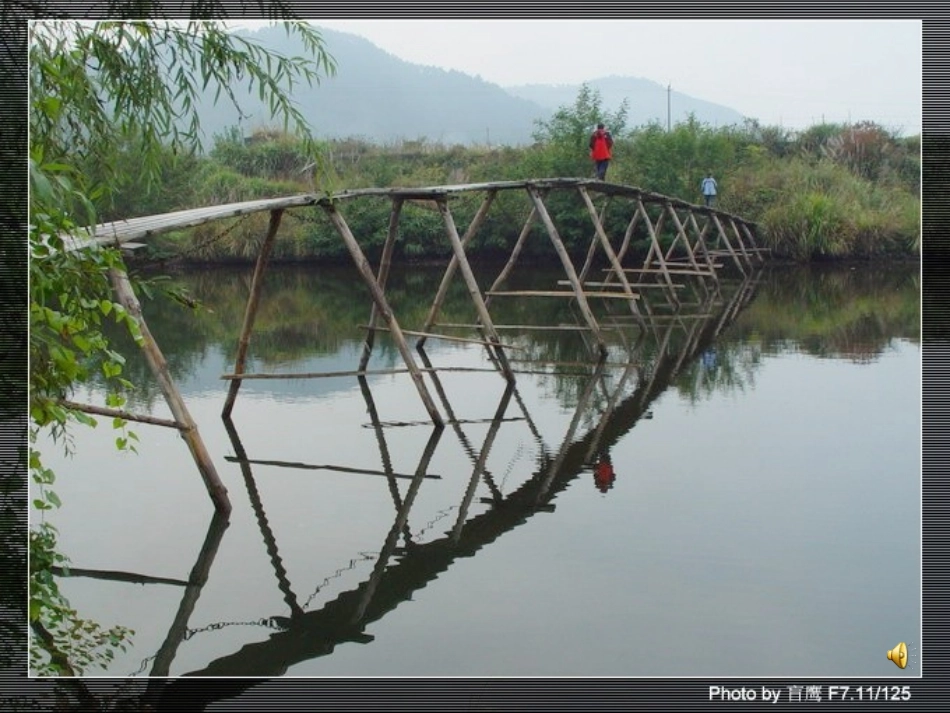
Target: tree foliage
x,y
562,148
99,93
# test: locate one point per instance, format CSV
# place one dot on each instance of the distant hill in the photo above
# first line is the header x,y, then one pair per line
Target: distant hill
x,y
380,98
648,101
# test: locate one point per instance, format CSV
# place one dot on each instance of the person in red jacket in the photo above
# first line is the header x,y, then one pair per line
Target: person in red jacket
x,y
601,142
604,475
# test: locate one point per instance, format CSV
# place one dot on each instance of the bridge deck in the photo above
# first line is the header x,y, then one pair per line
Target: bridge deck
x,y
123,231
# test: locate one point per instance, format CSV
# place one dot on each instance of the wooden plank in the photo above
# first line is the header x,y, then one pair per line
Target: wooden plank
x,y
606,364
337,468
122,231
450,338
355,372
671,271
521,327
250,310
124,415
561,293
116,576
632,284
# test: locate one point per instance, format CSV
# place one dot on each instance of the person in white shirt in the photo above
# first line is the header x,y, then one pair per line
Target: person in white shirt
x,y
709,189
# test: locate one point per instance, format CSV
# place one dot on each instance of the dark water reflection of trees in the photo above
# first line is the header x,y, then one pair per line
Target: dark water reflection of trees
x,y
850,313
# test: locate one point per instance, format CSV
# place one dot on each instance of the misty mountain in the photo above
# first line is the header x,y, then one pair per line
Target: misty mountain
x,y
377,97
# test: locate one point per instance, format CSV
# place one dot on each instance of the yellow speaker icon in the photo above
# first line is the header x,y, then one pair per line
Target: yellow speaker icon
x,y
899,655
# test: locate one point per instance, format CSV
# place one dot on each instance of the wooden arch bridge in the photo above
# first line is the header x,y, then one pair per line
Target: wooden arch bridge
x,y
701,243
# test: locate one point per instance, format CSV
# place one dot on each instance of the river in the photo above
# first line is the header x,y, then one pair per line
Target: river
x,y
734,492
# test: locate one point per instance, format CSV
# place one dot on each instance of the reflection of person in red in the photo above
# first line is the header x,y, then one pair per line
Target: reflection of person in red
x,y
604,475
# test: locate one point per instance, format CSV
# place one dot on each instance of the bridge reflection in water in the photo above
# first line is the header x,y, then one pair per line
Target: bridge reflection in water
x,y
610,408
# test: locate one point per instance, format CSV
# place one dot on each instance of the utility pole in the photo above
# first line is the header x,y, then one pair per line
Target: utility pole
x,y
668,88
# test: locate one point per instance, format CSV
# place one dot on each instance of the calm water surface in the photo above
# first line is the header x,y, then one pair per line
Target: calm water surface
x,y
762,518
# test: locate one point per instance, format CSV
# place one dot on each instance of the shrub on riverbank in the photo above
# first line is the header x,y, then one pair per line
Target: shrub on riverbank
x,y
830,192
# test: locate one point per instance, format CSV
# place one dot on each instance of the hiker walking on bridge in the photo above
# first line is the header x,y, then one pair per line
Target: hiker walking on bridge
x,y
601,142
709,189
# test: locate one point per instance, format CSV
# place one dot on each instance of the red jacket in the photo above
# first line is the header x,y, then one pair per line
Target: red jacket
x,y
600,144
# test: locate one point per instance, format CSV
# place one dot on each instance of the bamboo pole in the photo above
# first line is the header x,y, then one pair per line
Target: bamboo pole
x,y
627,238
384,309
382,276
598,220
608,249
384,454
569,269
725,239
483,316
655,249
400,525
159,367
250,312
332,467
197,579
515,253
735,229
563,293
267,532
701,240
456,422
118,413
699,244
479,468
451,338
628,235
568,439
355,372
681,233
454,263
757,251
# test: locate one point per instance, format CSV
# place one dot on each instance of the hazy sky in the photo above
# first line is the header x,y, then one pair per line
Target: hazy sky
x,y
792,73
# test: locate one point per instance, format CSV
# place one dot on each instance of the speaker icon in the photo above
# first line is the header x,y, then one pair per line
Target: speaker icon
x,y
898,655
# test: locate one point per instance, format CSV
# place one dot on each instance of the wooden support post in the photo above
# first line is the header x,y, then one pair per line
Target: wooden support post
x,y
119,413
690,255
483,316
400,525
569,269
454,263
655,248
701,239
515,253
159,367
250,312
608,249
725,239
197,579
480,462
628,235
757,251
582,404
745,254
598,220
382,276
385,311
